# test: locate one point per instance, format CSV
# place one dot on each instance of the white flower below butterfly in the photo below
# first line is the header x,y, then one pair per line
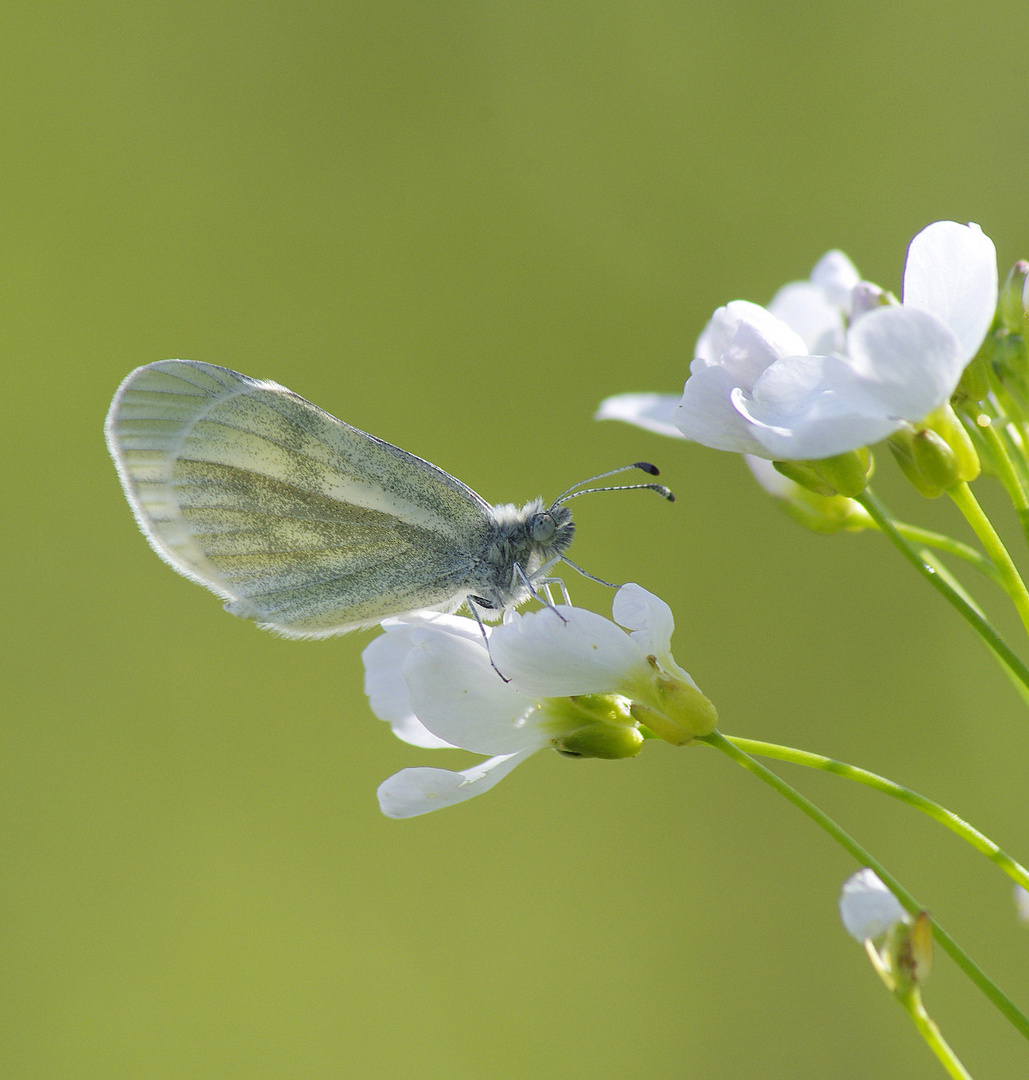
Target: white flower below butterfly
x,y
832,365
577,682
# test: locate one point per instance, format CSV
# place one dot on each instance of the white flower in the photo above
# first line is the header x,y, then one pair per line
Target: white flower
x,y
756,386
868,909
818,309
573,680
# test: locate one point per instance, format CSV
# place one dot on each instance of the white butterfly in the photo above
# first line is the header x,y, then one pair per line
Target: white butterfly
x,y
306,524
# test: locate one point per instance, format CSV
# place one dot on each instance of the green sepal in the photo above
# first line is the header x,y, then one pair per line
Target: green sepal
x,y
669,707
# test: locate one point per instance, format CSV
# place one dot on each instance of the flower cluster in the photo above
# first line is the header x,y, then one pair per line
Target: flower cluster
x,y
560,677
802,387
835,363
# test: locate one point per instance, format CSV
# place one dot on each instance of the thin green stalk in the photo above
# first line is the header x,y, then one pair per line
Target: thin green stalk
x,y
991,638
1013,479
864,858
970,835
1014,586
950,546
927,1028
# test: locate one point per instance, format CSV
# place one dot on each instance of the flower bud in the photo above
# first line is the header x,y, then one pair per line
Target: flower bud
x,y
847,473
819,513
915,957
1013,305
934,459
600,741
594,725
945,423
975,380
842,474
938,456
902,446
803,475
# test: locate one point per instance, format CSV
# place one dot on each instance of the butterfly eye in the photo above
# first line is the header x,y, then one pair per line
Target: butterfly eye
x,y
542,526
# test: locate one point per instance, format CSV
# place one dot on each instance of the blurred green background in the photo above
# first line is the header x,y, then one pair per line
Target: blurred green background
x,y
459,226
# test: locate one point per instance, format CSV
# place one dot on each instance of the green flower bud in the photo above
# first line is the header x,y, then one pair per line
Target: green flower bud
x,y
826,514
975,380
937,456
1010,358
600,740
1014,294
801,473
945,423
935,460
594,725
842,474
902,446
907,953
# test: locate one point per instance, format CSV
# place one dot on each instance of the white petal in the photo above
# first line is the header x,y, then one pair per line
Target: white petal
x,y
706,413
650,622
769,477
387,691
907,358
556,653
458,696
458,625
759,339
837,277
867,908
648,617
951,270
804,307
411,792
809,407
718,335
652,412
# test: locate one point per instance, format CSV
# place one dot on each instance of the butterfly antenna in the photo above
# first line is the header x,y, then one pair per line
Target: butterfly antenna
x,y
645,466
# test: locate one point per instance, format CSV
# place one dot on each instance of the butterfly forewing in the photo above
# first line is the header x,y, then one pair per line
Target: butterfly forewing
x,y
299,520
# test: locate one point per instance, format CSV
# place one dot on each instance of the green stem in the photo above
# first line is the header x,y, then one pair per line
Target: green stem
x,y
991,638
1013,479
970,835
864,858
927,1028
1014,586
950,546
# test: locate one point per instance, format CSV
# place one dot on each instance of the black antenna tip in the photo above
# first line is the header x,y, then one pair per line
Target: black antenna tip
x,y
652,470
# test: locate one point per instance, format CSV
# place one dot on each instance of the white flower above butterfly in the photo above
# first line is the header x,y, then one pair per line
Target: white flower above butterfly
x,y
575,681
757,387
